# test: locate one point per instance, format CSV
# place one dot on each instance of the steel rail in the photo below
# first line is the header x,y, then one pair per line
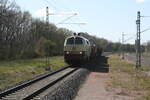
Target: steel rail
x,y
48,86
25,84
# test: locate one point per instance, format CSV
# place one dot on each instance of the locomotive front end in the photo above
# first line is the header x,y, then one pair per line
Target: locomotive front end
x,y
76,49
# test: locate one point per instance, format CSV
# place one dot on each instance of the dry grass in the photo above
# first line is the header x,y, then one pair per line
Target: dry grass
x,y
128,80
12,72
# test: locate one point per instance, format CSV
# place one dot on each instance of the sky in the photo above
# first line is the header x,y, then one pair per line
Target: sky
x,y
103,18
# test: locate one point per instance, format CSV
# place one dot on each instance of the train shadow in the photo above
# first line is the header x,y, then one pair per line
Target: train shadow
x,y
99,64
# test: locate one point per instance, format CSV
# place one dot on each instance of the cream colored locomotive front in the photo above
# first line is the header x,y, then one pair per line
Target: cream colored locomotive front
x,y
76,48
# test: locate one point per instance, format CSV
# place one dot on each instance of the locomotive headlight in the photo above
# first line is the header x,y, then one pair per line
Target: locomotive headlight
x,y
81,52
67,52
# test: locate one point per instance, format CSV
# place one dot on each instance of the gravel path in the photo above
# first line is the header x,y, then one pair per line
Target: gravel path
x,y
96,86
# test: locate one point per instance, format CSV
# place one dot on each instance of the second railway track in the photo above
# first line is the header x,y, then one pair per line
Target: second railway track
x,y
31,89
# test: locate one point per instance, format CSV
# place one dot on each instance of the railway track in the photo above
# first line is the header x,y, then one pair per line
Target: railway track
x,y
32,89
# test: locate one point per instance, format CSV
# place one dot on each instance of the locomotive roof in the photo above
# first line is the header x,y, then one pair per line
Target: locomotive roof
x,y
74,36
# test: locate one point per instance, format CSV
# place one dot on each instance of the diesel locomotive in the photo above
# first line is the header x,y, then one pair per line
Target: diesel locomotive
x,y
78,48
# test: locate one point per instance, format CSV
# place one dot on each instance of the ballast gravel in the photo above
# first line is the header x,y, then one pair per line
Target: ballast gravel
x,y
66,89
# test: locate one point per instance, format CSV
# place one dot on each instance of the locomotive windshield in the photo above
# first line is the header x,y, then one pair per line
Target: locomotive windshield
x,y
70,41
76,40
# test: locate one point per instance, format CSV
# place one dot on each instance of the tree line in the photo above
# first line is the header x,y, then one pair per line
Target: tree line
x,y
109,46
22,36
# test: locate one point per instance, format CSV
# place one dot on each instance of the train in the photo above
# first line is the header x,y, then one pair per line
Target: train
x,y
78,48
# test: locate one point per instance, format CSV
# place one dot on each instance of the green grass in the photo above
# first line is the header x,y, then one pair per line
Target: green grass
x,y
12,72
125,75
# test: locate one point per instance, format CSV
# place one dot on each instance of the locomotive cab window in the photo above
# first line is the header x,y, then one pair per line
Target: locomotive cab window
x,y
78,40
87,42
70,41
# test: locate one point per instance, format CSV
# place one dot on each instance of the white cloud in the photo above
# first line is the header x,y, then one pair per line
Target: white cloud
x,y
140,1
42,12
